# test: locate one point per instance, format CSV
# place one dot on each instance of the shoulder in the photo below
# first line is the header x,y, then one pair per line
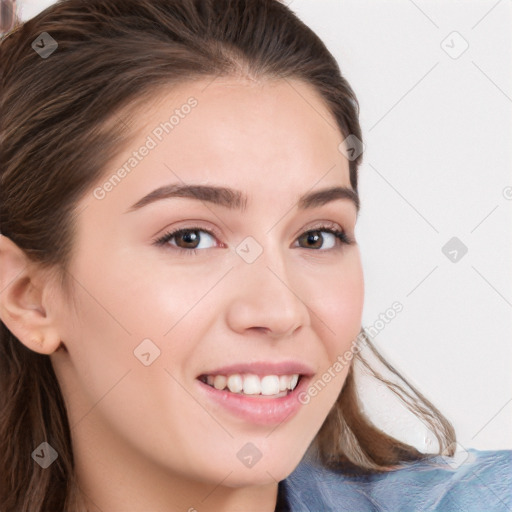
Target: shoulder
x,y
472,481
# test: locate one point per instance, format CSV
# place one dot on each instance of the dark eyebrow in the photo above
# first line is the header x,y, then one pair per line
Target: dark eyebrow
x,y
236,200
321,197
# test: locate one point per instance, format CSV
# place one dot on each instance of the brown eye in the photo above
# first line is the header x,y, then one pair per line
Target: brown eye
x,y
190,238
312,239
325,238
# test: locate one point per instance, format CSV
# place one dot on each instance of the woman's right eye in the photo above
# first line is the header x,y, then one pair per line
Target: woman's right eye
x,y
188,239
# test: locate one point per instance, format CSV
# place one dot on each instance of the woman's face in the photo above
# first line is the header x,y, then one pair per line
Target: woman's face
x,y
243,290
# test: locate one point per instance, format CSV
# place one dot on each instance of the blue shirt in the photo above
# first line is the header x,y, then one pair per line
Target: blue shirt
x,y
473,481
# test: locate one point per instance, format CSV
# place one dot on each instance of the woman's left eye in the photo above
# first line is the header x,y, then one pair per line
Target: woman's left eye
x,y
191,239
334,237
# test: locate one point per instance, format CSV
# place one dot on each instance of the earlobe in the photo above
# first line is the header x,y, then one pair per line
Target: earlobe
x,y
21,293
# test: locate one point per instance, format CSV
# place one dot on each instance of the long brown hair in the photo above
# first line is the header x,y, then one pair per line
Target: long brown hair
x,y
60,124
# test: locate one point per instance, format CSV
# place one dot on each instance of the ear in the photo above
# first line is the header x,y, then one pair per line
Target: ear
x,y
26,299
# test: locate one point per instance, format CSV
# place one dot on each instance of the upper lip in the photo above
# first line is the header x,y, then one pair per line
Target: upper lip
x,y
264,368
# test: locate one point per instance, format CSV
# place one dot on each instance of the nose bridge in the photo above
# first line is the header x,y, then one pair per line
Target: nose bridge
x,y
265,295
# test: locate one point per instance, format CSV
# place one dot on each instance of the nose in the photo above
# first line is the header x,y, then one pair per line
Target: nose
x,y
266,299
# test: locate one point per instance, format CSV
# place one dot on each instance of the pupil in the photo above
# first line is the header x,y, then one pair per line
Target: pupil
x,y
314,237
190,237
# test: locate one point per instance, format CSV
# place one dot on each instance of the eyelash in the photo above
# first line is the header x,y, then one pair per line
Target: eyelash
x,y
340,235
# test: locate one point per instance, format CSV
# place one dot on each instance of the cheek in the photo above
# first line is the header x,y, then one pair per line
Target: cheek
x,y
338,306
138,300
338,303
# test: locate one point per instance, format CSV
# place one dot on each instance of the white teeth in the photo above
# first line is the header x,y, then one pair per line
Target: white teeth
x,y
234,383
250,384
270,385
293,381
220,381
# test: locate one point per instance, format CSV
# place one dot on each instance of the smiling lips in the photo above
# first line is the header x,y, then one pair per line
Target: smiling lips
x,y
267,379
259,394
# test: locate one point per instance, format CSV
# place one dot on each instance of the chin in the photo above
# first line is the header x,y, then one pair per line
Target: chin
x,y
264,472
241,478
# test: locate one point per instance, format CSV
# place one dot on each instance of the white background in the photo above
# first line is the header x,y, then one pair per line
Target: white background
x,y
437,161
438,137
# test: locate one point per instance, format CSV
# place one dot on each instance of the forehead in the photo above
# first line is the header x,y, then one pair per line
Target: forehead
x,y
262,137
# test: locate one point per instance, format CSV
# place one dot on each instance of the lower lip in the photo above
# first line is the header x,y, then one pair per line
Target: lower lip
x,y
256,409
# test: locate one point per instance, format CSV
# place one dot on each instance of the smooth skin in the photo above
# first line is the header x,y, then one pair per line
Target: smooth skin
x,y
144,437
